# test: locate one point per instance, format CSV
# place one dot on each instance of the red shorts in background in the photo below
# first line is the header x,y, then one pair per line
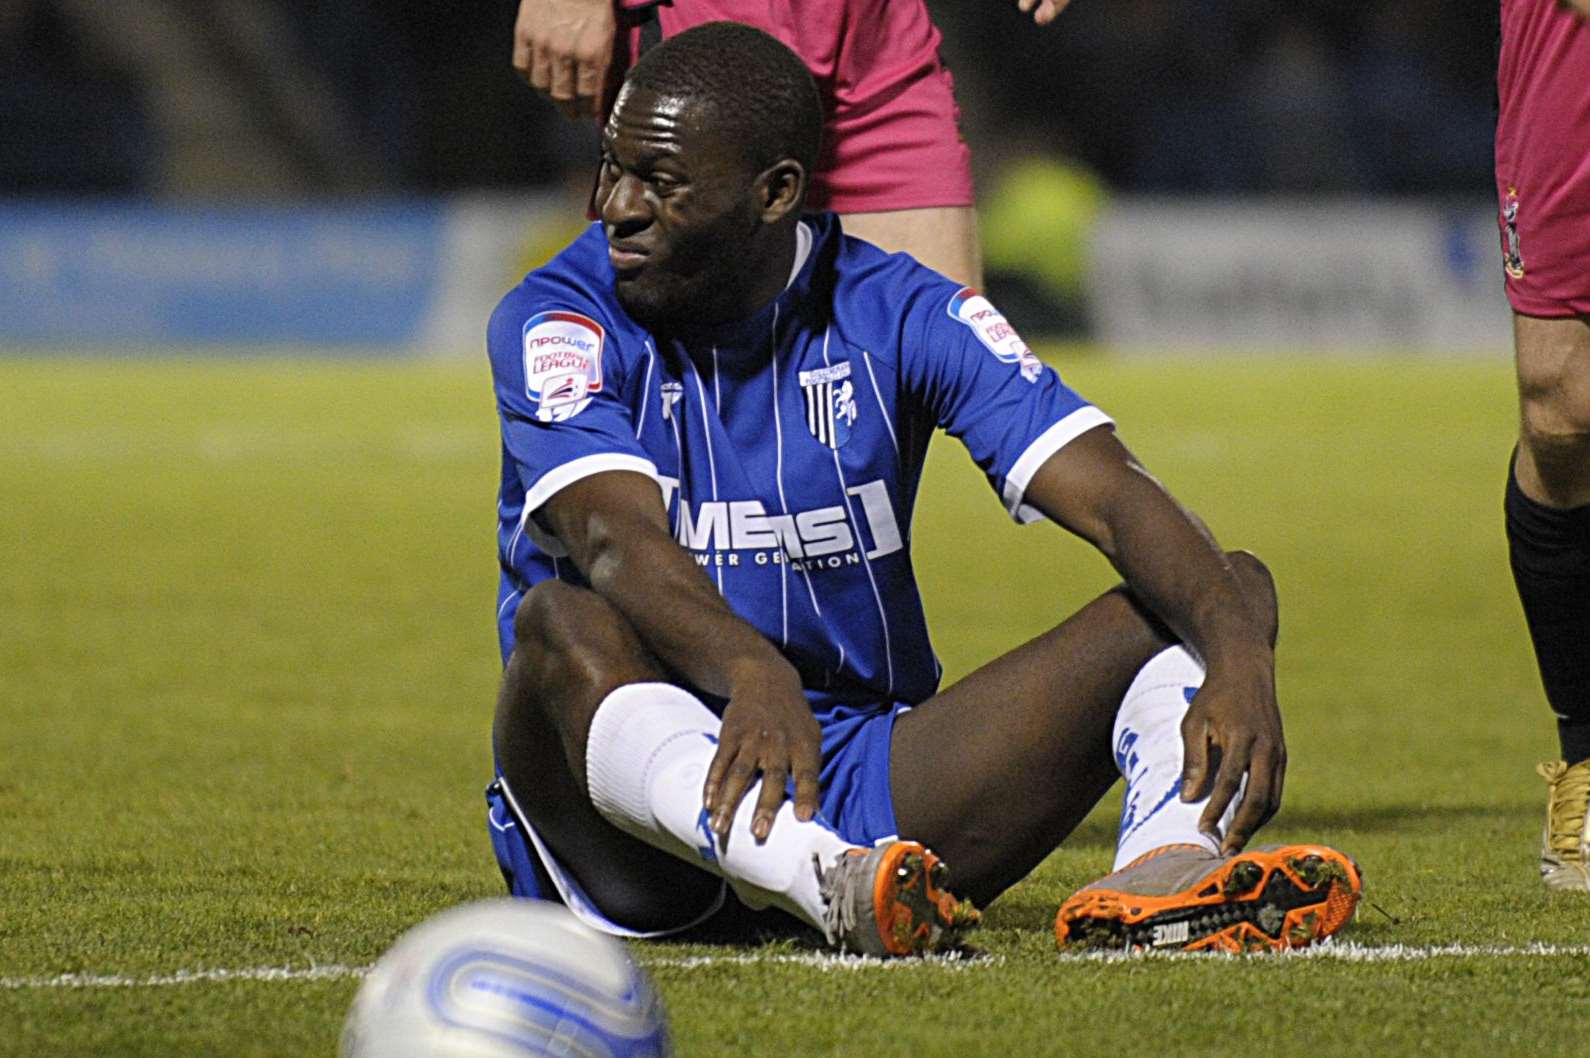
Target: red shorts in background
x,y
891,129
1543,158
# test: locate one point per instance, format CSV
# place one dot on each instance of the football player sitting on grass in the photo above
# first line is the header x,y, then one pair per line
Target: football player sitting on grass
x,y
714,415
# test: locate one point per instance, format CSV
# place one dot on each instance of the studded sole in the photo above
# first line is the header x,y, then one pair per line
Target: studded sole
x,y
1260,902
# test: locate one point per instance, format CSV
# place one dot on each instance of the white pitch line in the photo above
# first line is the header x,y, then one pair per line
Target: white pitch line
x,y
331,972
827,963
824,961
1353,952
1337,952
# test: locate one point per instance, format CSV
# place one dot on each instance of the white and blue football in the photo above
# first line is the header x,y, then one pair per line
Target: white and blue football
x,y
506,979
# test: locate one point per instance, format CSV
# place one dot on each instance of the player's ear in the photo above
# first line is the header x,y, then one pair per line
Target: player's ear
x,y
780,190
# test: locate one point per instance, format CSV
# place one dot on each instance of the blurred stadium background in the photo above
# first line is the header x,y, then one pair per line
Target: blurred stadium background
x,y
1153,173
246,659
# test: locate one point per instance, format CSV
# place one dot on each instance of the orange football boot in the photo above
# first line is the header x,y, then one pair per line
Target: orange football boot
x,y
890,901
1186,898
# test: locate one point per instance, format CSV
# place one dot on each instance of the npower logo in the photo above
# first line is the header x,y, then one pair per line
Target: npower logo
x,y
736,532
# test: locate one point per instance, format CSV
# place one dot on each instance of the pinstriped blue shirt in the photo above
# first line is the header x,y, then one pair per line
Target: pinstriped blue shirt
x,y
787,448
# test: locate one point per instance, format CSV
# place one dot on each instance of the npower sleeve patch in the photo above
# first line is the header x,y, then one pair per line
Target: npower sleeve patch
x,y
562,363
997,335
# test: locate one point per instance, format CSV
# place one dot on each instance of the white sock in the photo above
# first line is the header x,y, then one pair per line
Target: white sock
x,y
1150,754
646,761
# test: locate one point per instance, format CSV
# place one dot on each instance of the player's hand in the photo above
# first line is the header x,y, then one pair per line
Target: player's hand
x,y
768,730
564,48
1232,729
1044,11
1578,7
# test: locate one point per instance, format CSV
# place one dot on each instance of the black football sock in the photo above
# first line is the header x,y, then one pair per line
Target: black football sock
x,y
1550,551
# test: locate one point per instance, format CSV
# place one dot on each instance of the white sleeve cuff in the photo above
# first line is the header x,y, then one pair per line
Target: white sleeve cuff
x,y
561,477
1047,444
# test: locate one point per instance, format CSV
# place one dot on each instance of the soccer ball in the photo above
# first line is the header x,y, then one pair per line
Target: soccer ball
x,y
505,979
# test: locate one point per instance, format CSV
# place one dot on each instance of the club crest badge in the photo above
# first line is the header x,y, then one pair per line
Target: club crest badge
x,y
672,394
1512,250
830,403
998,337
562,363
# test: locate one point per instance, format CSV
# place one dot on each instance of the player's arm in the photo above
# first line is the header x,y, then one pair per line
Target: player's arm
x,y
1095,487
616,531
1578,7
564,48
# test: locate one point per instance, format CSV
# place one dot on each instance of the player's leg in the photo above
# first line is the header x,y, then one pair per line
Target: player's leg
x,y
1548,532
894,165
633,883
615,754
1032,736
1553,358
942,237
625,805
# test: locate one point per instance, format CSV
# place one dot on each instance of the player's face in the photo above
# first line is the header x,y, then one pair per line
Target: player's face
x,y
680,212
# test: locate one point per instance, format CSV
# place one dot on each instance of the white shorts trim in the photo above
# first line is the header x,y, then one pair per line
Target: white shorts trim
x,y
574,897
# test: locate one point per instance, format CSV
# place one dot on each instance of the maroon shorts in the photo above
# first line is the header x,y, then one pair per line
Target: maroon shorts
x,y
891,135
1543,158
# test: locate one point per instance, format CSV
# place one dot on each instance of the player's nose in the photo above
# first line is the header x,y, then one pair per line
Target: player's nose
x,y
624,210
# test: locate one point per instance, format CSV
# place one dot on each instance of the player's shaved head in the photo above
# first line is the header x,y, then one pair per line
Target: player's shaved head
x,y
757,94
705,160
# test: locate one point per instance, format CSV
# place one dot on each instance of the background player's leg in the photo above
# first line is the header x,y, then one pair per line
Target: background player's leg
x,y
942,237
1548,514
635,884
994,772
1548,538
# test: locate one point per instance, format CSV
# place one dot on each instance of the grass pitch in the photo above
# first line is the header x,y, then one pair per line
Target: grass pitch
x,y
247,666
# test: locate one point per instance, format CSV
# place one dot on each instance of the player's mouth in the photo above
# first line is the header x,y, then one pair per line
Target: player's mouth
x,y
626,257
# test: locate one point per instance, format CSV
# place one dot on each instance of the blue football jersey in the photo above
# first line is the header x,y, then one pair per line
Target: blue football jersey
x,y
787,447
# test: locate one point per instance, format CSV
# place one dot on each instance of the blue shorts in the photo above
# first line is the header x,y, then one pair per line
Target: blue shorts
x,y
854,797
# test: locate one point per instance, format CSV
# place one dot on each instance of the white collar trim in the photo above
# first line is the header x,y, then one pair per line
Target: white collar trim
x,y
803,250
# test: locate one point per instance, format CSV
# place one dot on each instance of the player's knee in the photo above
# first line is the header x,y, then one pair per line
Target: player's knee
x,y
1555,436
1555,425
1253,575
1258,586
549,613
1554,390
572,636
